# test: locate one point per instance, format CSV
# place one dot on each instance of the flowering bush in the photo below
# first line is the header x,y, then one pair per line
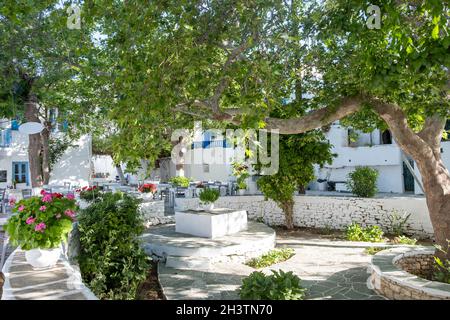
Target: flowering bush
x,y
148,187
41,222
89,193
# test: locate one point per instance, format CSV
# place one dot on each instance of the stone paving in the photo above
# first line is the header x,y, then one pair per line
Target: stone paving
x,y
61,282
329,269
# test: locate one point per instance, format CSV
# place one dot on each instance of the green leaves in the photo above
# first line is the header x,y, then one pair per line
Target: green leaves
x,y
272,257
111,260
279,285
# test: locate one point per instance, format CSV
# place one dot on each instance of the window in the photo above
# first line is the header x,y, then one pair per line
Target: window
x,y
205,168
3,175
386,137
20,172
5,138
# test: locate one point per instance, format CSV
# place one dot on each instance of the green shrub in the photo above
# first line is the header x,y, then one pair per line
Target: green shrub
x,y
442,266
363,182
373,250
180,181
355,232
272,257
111,260
277,286
209,195
405,240
398,222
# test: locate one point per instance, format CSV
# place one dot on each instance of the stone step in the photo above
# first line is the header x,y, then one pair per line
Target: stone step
x,y
188,263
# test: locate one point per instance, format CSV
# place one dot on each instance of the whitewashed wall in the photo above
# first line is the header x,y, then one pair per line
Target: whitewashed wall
x,y
17,151
75,164
334,212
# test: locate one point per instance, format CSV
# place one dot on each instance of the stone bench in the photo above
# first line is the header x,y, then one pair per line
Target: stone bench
x,y
62,282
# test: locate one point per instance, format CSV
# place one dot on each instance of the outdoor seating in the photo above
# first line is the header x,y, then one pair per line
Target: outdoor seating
x,y
27,193
3,200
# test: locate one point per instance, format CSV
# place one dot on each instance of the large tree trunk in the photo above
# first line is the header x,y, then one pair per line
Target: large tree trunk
x,y
35,144
45,136
436,182
288,210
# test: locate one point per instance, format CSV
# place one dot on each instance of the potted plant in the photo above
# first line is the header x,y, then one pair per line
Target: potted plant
x,y
240,171
89,193
180,181
39,224
148,190
208,197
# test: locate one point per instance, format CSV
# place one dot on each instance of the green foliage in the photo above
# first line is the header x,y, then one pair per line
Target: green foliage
x,y
277,286
373,250
363,182
209,195
355,232
398,222
272,257
54,216
111,259
240,171
297,156
442,265
57,147
90,193
405,240
180,181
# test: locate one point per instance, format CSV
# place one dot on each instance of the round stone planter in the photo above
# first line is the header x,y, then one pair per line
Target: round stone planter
x,y
241,192
390,276
147,196
42,258
207,206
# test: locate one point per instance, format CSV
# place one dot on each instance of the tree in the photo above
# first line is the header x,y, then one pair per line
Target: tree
x,y
235,61
40,64
298,154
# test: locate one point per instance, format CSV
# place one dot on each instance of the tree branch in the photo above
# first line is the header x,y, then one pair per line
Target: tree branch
x,y
316,118
432,130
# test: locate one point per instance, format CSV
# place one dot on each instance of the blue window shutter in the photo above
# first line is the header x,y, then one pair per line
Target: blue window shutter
x,y
8,137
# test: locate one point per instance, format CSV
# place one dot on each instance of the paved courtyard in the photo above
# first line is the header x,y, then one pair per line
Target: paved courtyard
x,y
329,269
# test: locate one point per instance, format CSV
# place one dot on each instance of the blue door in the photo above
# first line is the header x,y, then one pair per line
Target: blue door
x,y
20,172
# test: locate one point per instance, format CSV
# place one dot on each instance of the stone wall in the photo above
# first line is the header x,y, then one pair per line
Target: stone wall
x,y
391,281
153,213
330,212
420,265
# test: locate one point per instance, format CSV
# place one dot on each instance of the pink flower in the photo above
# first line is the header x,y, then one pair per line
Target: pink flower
x,y
40,227
47,198
69,213
58,216
21,208
12,201
70,196
42,208
30,220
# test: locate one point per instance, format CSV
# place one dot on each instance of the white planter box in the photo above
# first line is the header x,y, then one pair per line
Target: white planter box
x,y
210,225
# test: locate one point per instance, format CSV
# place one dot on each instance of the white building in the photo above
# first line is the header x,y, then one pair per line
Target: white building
x,y
74,166
376,149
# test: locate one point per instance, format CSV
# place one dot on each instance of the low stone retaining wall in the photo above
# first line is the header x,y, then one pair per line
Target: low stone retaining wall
x,y
153,213
330,212
420,265
388,279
